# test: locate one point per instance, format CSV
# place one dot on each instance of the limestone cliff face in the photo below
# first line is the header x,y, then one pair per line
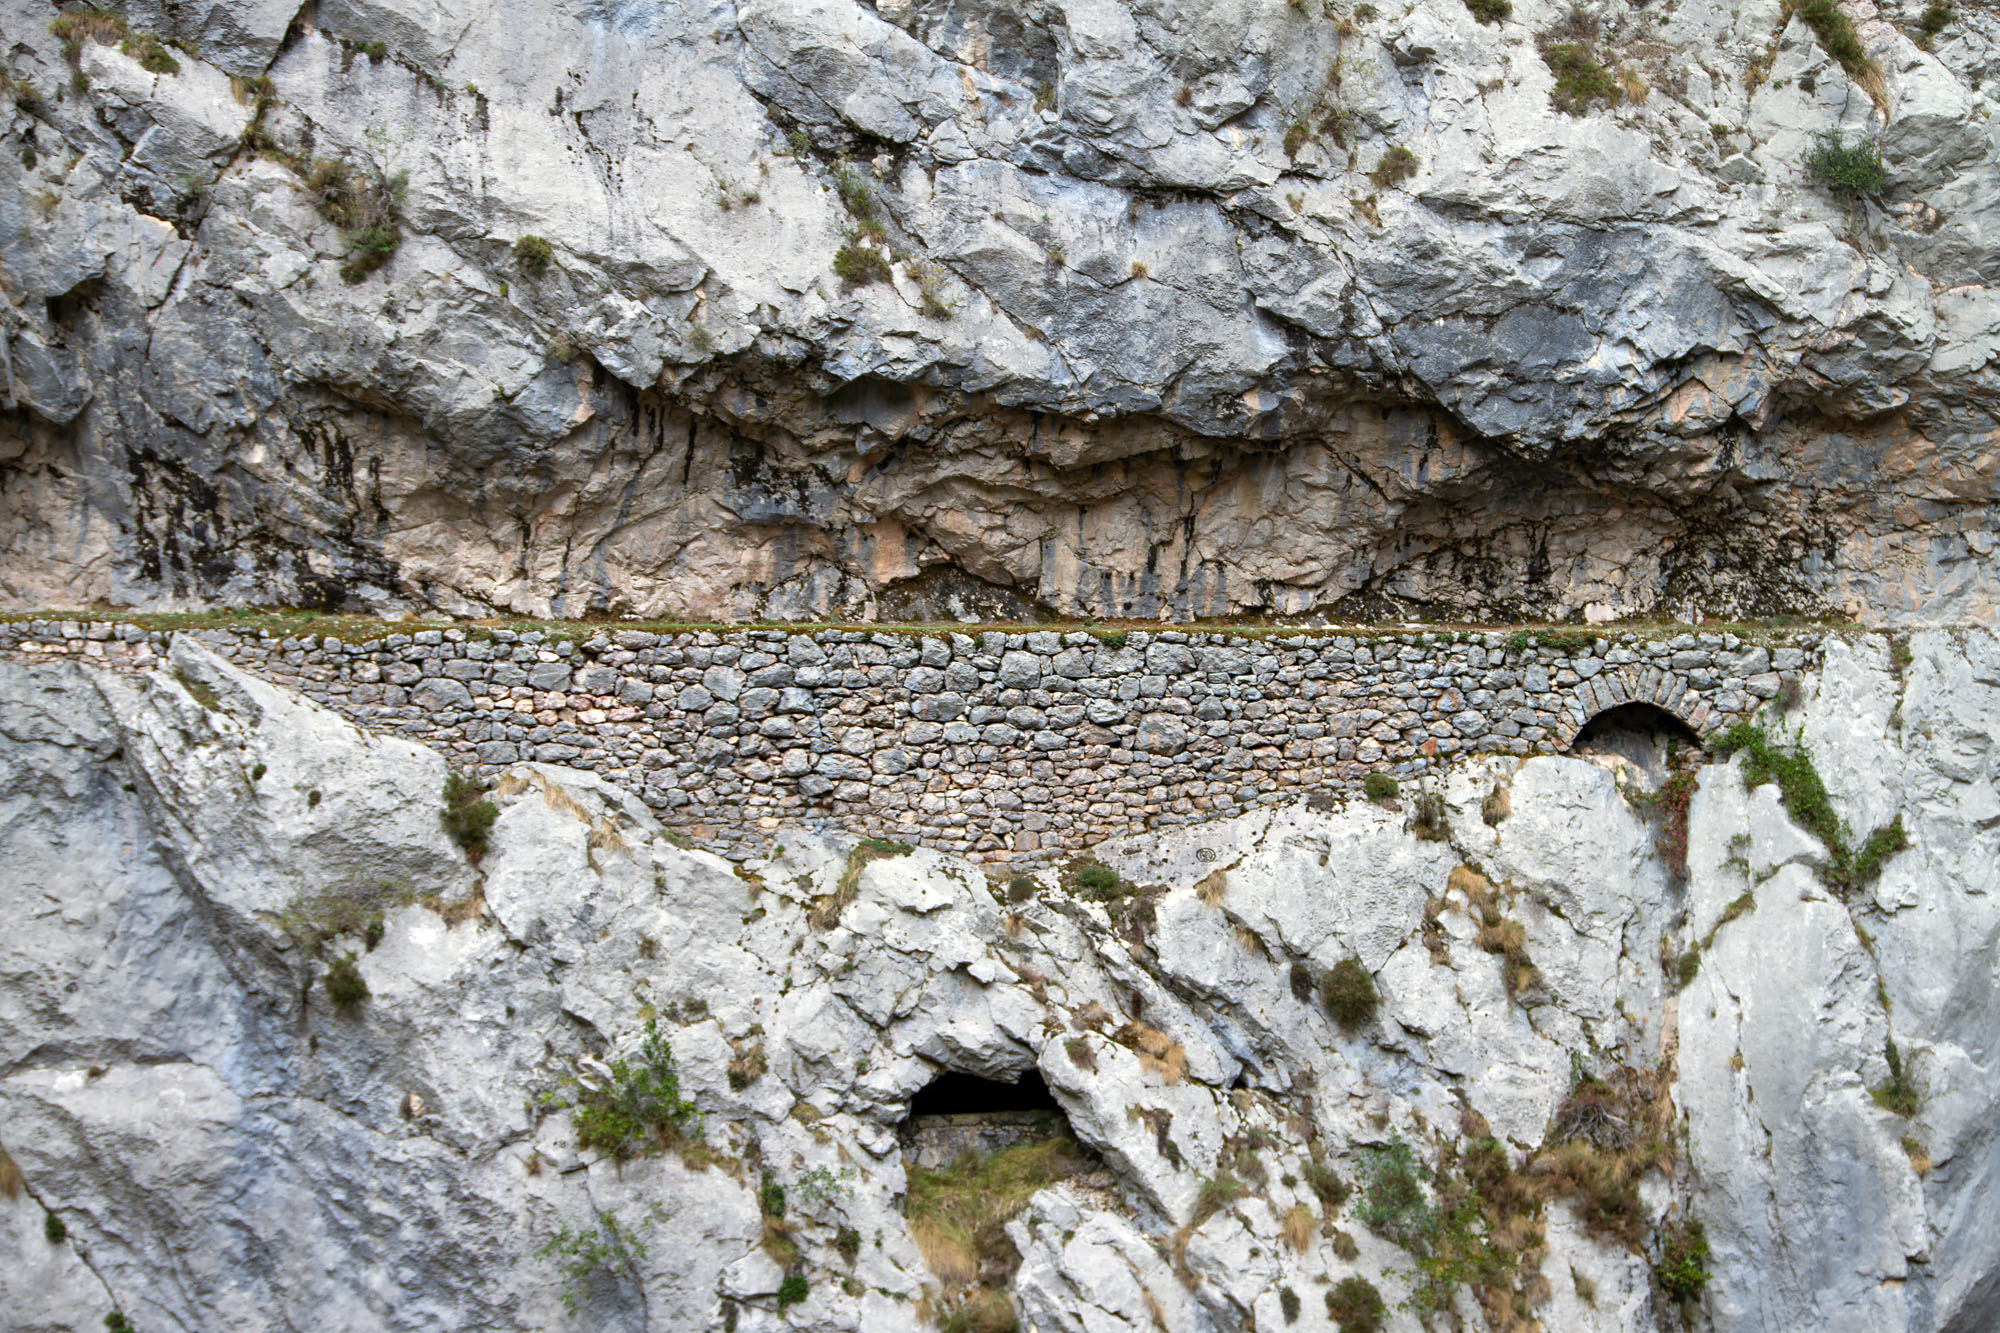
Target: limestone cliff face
x,y
225,1149
1149,310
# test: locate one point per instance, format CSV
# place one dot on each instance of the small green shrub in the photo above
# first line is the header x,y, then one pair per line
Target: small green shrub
x,y
1348,993
1490,11
1427,817
1380,787
1687,967
770,1195
1393,1204
1898,1093
848,1242
362,205
1937,17
1326,1184
1297,135
1020,888
1356,1306
609,1246
533,255
1099,882
377,52
856,191
858,265
1396,165
1683,1265
345,986
116,1322
792,1291
642,1094
1848,171
1836,35
152,55
1288,1304
54,1230
468,816
1581,80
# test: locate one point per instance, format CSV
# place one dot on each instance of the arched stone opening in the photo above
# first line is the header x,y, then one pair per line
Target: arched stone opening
x,y
957,1113
1642,737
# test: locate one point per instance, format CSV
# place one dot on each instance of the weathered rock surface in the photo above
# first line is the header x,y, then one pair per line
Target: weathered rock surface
x,y
226,1149
1161,336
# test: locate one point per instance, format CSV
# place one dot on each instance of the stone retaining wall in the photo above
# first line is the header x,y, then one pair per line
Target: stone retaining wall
x,y
986,743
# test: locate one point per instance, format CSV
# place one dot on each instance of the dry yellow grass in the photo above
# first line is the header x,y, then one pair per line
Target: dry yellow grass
x,y
1475,886
1156,1050
558,799
1211,888
10,1176
1298,1227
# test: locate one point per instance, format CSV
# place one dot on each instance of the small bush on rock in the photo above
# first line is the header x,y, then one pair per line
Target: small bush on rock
x,y
1348,993
1898,1093
1490,11
607,1247
1379,787
642,1094
1393,1204
792,1290
1356,1306
54,1230
345,986
534,255
1581,79
1683,1266
958,1217
1396,165
468,816
1849,172
152,55
1099,882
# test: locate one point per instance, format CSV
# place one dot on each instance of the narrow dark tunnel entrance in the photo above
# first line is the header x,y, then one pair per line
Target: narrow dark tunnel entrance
x,y
953,1093
1639,737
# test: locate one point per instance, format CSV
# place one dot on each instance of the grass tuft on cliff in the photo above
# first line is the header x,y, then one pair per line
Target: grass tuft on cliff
x,y
958,1216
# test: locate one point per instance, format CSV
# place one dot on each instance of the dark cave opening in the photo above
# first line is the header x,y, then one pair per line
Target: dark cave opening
x,y
953,1093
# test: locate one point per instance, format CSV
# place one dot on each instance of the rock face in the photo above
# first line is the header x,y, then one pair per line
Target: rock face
x,y
227,1148
1158,310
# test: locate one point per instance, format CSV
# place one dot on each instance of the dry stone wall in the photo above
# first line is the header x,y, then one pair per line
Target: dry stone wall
x,y
990,743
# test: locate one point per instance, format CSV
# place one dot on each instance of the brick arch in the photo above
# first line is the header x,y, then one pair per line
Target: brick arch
x,y
1662,687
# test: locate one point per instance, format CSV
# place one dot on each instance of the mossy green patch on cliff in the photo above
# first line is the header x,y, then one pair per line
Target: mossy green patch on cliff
x,y
1804,796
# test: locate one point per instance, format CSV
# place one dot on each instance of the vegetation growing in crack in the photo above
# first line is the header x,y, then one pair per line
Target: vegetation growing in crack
x,y
345,987
467,815
1355,1306
1898,1093
1837,37
1850,172
76,26
1683,1264
1348,992
1396,165
607,1247
958,1216
1805,799
533,255
634,1104
825,910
